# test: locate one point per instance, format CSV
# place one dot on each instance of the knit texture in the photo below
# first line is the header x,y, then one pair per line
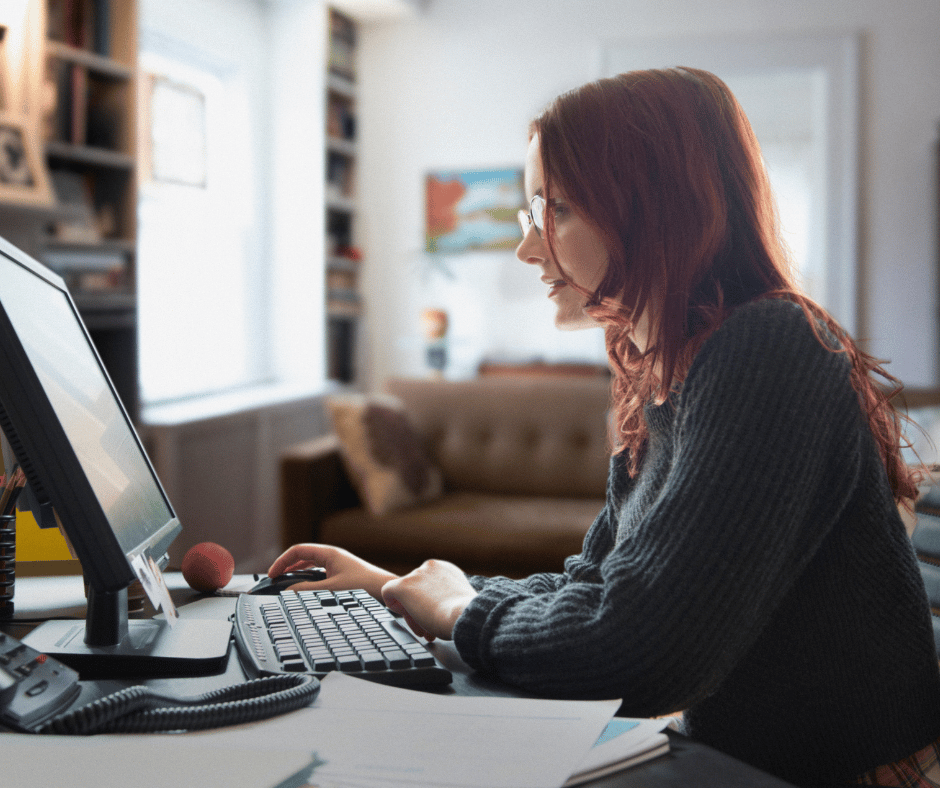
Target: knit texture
x,y
756,573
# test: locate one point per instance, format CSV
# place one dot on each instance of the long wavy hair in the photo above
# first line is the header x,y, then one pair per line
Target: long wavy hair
x,y
665,165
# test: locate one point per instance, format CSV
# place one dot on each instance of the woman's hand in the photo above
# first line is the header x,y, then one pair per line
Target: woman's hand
x,y
431,598
343,569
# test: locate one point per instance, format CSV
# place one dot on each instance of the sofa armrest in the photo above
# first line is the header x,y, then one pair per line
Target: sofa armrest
x,y
314,485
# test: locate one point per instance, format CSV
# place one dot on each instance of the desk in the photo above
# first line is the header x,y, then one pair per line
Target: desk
x,y
689,764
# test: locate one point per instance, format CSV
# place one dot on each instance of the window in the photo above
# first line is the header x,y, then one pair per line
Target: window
x,y
230,258
198,236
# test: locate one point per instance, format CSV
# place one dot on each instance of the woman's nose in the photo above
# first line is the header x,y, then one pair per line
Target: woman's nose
x,y
531,249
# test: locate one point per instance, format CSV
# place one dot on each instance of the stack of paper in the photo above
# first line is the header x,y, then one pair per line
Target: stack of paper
x,y
370,734
356,733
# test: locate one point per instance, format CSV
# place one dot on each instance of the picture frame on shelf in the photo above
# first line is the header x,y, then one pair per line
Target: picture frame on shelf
x,y
22,170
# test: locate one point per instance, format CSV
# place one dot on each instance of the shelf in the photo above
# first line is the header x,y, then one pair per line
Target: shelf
x,y
343,300
341,86
341,146
94,157
80,107
336,202
101,66
343,308
126,245
337,263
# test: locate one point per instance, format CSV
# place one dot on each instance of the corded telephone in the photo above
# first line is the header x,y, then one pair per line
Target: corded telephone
x,y
33,687
36,692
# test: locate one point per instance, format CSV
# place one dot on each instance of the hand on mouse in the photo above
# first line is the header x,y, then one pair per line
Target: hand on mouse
x,y
343,569
431,598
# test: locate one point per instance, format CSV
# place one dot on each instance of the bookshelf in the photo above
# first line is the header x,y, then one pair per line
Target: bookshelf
x,y
343,258
82,72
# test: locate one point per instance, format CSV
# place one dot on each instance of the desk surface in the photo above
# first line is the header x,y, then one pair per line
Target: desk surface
x,y
688,763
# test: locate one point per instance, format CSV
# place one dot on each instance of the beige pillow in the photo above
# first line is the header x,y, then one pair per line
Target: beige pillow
x,y
383,454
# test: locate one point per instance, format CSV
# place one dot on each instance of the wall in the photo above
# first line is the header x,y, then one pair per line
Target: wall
x,y
455,85
218,462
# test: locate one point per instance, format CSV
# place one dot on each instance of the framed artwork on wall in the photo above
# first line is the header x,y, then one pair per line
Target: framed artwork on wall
x,y
177,145
473,210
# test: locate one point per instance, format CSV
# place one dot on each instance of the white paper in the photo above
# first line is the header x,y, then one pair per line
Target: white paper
x,y
142,762
371,734
166,601
151,578
357,734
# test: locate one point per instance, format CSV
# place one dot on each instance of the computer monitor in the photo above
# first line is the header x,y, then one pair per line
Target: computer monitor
x,y
83,459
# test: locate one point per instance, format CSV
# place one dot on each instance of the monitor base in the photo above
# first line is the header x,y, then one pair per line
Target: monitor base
x,y
151,648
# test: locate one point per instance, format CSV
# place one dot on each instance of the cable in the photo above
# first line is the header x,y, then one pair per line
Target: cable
x,y
141,710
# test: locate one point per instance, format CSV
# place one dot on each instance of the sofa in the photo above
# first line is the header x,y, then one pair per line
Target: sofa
x,y
520,464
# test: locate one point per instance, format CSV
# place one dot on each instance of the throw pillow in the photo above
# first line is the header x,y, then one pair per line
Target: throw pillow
x,y
383,454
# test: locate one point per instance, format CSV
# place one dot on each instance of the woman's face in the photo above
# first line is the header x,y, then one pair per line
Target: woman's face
x,y
581,253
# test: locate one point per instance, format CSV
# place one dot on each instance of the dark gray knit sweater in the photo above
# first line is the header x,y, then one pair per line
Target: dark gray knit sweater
x,y
755,573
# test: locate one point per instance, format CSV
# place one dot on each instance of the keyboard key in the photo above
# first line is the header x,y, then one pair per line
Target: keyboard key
x,y
348,663
324,664
397,659
372,660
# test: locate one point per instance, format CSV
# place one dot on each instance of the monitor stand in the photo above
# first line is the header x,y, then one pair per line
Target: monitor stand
x,y
108,645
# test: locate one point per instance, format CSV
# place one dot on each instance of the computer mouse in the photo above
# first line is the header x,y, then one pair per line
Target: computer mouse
x,y
274,585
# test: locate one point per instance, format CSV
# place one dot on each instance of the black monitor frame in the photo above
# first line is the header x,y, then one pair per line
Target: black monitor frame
x,y
62,488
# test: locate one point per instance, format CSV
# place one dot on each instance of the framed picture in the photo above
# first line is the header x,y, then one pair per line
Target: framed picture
x,y
473,210
177,144
22,172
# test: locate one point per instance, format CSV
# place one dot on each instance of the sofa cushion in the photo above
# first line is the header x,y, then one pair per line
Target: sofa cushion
x,y
384,458
477,531
526,436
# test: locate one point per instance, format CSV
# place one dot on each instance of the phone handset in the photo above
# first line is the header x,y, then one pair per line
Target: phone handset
x,y
33,687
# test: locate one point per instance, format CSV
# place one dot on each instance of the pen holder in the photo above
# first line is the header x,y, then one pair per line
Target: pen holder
x,y
7,564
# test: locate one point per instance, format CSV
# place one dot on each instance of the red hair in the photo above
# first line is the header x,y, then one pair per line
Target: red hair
x,y
665,165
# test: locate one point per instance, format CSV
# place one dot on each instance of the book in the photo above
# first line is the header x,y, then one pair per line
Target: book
x,y
624,742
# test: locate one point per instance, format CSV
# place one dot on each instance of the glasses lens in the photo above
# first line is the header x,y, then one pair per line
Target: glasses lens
x,y
537,211
523,217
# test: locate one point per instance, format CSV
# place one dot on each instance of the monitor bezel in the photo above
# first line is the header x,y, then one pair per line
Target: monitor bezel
x,y
52,467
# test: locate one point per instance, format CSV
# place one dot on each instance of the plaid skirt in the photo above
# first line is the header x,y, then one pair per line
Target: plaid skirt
x,y
920,770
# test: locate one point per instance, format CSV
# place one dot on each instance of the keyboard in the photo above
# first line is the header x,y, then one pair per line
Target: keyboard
x,y
320,631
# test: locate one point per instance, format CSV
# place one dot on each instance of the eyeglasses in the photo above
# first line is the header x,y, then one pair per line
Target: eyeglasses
x,y
534,216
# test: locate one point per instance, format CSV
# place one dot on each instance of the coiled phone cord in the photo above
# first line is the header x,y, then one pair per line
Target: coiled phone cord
x,y
141,710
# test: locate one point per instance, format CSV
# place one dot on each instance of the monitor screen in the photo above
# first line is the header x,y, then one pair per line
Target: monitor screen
x,y
94,423
69,430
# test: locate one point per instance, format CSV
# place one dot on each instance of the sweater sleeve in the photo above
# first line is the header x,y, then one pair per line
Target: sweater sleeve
x,y
765,451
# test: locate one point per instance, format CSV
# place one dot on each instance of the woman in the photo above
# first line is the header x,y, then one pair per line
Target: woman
x,y
750,567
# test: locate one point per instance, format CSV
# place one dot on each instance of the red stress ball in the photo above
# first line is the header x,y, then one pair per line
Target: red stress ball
x,y
208,566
